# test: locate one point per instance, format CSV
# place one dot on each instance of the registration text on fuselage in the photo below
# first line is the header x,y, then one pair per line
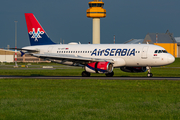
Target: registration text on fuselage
x,y
113,52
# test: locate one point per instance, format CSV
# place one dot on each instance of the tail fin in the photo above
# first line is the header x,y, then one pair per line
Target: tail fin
x,y
37,35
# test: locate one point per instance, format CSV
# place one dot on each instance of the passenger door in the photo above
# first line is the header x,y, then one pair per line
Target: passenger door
x,y
144,53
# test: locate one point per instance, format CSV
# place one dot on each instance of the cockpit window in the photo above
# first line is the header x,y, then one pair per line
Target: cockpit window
x,y
160,51
164,51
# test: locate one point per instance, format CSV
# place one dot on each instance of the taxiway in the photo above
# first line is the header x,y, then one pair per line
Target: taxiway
x,y
98,78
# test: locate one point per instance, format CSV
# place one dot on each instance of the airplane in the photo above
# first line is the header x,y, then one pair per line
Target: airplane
x,y
95,58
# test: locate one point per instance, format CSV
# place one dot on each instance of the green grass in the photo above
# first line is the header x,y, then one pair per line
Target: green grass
x,y
35,99
157,72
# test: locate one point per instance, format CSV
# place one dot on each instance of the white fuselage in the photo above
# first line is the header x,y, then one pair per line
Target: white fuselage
x,y
131,55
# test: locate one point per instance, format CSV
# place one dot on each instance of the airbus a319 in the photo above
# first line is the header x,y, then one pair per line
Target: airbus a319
x,y
95,58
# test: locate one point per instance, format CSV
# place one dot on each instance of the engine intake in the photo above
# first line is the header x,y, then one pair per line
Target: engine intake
x,y
99,67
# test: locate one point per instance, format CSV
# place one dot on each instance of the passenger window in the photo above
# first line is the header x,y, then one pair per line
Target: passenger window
x,y
156,51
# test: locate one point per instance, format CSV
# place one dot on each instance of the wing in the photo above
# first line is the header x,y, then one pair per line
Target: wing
x,y
71,58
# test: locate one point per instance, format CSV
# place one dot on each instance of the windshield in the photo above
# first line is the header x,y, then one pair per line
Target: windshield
x,y
160,51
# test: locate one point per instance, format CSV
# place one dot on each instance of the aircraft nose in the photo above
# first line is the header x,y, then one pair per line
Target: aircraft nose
x,y
170,59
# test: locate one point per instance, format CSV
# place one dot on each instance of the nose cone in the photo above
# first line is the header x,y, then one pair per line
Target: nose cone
x,y
170,59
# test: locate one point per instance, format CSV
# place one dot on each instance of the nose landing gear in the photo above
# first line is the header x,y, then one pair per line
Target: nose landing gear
x,y
149,72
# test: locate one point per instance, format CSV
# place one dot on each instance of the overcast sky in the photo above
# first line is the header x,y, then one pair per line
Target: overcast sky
x,y
66,20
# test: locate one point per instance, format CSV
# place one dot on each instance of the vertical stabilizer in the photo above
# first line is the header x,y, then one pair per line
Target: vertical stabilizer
x,y
37,35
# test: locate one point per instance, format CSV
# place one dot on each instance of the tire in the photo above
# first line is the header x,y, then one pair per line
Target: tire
x,y
85,74
110,74
149,74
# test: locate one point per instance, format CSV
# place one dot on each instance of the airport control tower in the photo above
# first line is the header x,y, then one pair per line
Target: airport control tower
x,y
96,11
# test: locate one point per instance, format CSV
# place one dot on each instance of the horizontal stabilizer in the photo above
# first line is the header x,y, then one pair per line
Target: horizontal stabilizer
x,y
28,50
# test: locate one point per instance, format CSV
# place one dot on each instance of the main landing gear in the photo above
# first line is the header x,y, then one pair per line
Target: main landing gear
x,y
149,72
87,74
110,74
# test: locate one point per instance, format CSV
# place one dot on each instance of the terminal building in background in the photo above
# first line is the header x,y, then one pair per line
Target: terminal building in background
x,y
6,55
165,40
9,56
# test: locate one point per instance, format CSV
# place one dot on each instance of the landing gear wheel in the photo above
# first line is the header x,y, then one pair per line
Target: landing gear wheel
x,y
85,74
149,74
110,74
149,71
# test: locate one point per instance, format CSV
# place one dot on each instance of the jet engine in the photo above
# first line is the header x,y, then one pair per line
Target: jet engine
x,y
133,69
99,67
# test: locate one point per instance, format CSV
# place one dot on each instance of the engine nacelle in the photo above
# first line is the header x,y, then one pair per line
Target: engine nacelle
x,y
99,67
133,69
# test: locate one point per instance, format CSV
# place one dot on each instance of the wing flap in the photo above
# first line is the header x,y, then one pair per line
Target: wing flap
x,y
72,58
